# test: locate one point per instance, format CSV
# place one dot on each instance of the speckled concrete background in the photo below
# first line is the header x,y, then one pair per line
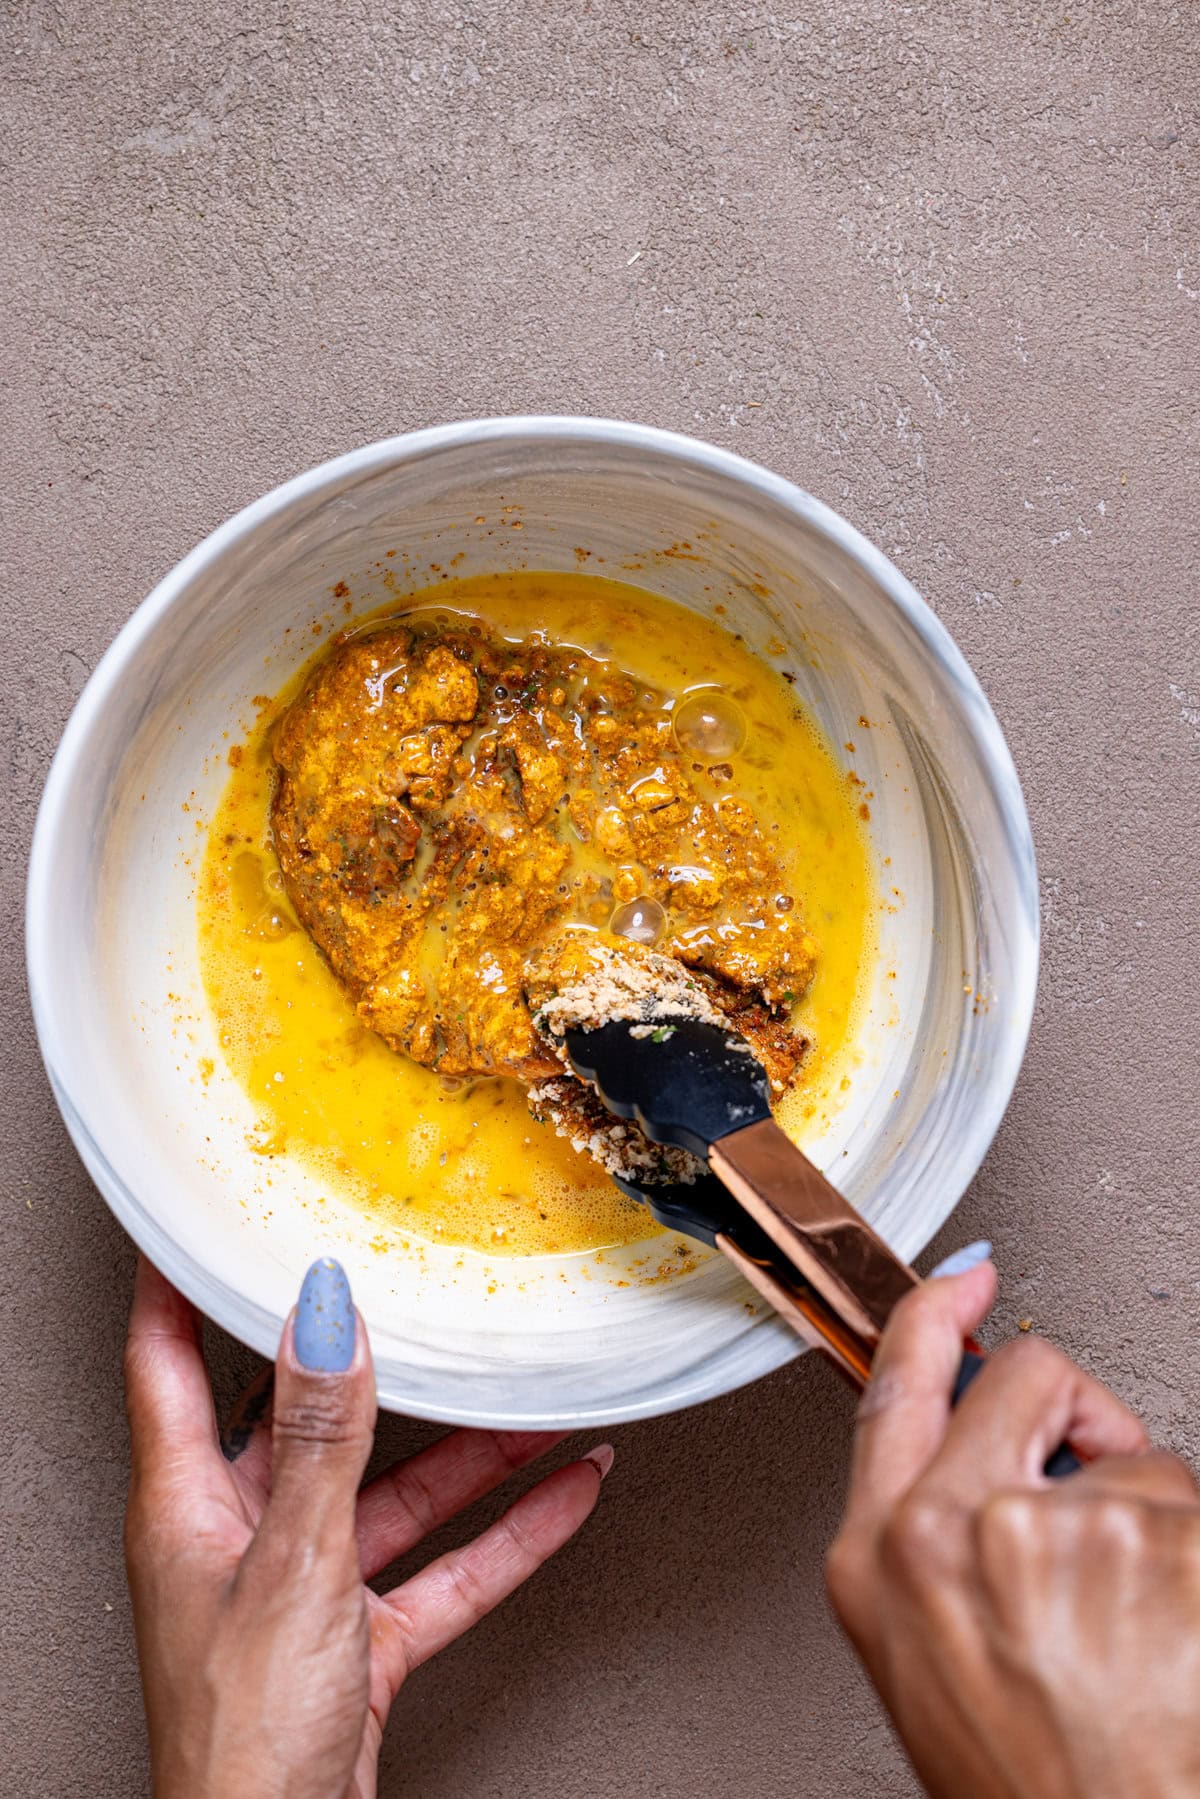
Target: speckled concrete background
x,y
939,265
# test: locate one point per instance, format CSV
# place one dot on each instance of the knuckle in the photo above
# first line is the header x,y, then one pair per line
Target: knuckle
x,y
1007,1524
927,1300
922,1298
918,1539
1116,1527
523,1540
1033,1357
314,1421
470,1586
512,1449
415,1499
885,1390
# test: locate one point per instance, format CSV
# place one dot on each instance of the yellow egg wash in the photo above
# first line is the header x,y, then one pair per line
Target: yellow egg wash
x,y
468,1166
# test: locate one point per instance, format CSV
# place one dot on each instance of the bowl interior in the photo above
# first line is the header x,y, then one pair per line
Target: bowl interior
x,y
114,972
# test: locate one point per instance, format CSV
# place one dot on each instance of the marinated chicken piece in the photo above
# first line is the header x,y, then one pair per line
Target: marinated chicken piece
x,y
542,770
447,802
761,956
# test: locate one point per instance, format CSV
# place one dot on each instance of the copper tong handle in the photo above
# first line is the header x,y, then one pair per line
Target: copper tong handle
x,y
832,1277
800,1307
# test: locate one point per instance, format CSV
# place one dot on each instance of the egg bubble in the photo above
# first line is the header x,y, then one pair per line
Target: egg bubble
x,y
709,725
641,920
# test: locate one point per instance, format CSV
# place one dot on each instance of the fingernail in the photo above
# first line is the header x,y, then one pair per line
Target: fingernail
x,y
601,1458
963,1259
325,1325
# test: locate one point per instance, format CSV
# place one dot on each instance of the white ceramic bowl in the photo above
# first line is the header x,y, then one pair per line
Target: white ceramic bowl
x,y
547,1342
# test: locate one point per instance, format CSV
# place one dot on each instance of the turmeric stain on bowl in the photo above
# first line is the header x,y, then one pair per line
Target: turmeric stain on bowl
x,y
467,1165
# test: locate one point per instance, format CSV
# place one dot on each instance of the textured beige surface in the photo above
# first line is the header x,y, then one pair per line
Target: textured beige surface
x,y
941,266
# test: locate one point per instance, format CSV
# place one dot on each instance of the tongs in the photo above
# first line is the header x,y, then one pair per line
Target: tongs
x,y
763,1204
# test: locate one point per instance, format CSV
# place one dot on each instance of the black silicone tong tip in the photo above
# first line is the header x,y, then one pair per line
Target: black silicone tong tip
x,y
685,1083
702,1208
689,1084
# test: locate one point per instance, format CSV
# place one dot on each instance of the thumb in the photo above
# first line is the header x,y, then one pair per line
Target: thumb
x,y
904,1413
324,1417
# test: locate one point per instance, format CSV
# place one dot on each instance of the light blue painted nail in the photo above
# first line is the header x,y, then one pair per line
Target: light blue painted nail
x,y
963,1259
325,1325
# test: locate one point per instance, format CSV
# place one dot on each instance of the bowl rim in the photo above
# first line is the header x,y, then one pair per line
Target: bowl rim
x,y
246,1319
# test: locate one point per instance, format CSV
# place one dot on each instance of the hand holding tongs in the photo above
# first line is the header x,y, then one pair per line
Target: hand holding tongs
x,y
764,1205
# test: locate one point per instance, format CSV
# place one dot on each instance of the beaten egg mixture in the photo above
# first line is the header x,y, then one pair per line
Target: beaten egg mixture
x,y
513,757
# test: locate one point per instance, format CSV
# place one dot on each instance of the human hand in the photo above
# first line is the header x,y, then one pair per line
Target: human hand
x,y
268,1667
1031,1639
